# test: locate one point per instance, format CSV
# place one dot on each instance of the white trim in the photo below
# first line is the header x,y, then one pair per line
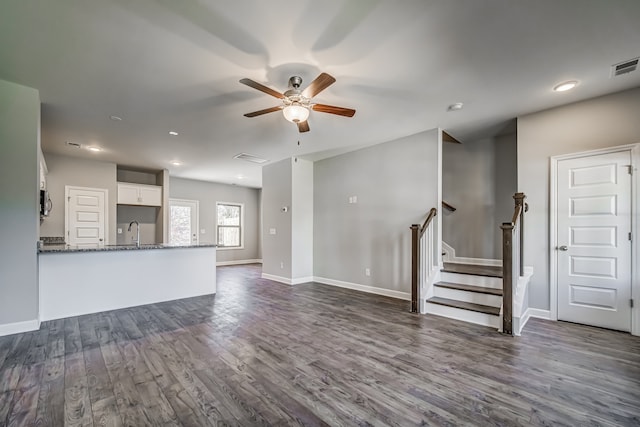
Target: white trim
x,y
537,313
68,188
287,281
553,237
19,327
364,288
242,213
182,202
452,258
239,262
278,279
301,280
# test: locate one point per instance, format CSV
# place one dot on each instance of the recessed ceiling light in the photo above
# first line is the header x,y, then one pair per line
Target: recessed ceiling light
x,y
565,86
176,163
94,149
116,118
455,107
173,133
240,176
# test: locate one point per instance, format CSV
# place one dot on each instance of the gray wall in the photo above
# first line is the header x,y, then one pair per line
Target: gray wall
x,y
396,184
506,184
277,193
64,170
208,193
302,219
479,179
147,216
597,123
19,146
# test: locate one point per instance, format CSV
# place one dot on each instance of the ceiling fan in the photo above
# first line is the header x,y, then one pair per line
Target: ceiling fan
x,y
296,103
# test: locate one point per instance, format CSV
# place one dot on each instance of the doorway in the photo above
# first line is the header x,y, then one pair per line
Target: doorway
x,y
85,216
183,222
592,238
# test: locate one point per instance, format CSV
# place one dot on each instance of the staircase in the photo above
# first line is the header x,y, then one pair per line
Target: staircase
x,y
468,292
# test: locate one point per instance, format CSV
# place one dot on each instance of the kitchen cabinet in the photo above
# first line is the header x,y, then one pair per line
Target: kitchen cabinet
x,y
139,194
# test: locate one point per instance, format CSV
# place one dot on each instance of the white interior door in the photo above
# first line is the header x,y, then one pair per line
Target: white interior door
x,y
183,222
86,216
594,247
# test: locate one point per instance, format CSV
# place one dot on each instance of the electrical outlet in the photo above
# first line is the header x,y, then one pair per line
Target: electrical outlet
x,y
281,264
272,231
119,230
353,199
367,272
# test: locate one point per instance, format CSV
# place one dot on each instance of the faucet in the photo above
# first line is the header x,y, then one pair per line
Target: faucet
x,y
137,231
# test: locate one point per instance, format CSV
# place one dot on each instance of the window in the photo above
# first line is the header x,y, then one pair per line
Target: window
x,y
230,225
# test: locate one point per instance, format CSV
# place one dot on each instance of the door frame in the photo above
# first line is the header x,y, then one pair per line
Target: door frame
x,y
67,189
197,203
634,149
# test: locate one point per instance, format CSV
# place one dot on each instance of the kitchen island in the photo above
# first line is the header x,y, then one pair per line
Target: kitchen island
x,y
76,280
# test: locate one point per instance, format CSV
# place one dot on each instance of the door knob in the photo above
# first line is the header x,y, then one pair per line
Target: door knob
x,y
563,248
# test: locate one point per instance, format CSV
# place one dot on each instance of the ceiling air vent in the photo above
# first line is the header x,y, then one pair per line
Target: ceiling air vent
x,y
624,67
73,144
250,158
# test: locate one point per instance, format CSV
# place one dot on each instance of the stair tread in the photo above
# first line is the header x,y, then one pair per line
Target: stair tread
x,y
465,305
470,288
477,270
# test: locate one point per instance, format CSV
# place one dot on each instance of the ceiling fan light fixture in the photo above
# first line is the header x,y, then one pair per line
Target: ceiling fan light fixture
x,y
295,113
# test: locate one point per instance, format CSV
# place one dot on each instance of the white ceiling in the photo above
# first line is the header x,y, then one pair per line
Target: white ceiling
x,y
166,65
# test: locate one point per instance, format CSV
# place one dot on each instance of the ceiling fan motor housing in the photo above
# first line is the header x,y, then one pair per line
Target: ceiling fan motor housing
x,y
295,82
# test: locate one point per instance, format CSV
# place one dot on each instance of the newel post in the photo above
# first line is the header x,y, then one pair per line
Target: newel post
x,y
415,266
507,277
519,198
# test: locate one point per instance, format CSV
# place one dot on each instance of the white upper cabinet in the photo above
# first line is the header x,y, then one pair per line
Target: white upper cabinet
x,y
139,194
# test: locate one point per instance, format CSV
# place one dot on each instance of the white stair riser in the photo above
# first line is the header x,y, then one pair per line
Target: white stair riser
x,y
474,297
464,315
470,279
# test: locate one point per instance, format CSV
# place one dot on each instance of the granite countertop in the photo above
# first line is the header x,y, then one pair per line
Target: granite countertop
x,y
71,248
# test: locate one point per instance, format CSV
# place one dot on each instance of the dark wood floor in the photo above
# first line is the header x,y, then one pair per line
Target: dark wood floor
x,y
262,353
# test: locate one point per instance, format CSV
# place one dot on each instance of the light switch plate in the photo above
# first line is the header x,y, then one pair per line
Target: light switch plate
x,y
272,231
203,231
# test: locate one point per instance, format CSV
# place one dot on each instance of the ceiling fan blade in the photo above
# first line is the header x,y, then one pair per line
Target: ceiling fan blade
x,y
265,111
303,126
321,82
322,108
262,88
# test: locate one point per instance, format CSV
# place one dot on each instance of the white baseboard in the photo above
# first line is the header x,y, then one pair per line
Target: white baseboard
x,y
301,280
364,288
528,314
239,262
286,280
450,256
538,313
19,327
278,279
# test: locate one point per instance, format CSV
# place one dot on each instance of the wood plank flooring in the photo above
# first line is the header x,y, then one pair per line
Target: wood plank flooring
x,y
263,353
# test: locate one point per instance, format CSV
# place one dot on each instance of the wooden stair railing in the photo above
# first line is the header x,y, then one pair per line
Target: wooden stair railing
x,y
418,262
512,259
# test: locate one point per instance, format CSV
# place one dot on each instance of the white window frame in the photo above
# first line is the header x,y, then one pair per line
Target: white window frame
x,y
228,248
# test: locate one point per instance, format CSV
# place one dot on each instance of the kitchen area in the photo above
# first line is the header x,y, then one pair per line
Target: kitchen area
x,y
90,260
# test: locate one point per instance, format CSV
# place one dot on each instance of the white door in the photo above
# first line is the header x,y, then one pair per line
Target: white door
x,y
86,216
594,247
183,222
